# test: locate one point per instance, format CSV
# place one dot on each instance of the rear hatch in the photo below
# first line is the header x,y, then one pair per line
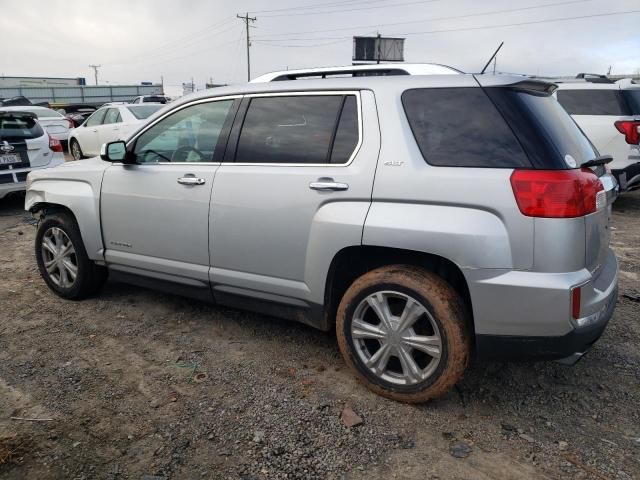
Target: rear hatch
x,y
553,141
23,143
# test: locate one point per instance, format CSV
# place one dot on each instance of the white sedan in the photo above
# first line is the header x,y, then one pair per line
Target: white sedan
x,y
107,124
54,123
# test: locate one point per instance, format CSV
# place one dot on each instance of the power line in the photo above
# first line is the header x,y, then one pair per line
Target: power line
x,y
320,5
381,25
246,19
552,20
351,9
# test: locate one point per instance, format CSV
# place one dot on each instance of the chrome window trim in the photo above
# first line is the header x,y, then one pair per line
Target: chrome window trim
x,y
356,93
171,112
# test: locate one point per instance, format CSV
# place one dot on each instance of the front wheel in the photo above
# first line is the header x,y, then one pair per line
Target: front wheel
x,y
404,332
76,151
63,261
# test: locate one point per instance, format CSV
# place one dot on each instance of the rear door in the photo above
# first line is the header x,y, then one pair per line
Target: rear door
x,y
88,135
298,169
110,130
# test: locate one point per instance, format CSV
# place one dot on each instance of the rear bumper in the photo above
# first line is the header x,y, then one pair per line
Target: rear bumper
x,y
543,316
629,177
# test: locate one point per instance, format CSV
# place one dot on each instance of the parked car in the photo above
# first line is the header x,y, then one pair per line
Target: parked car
x,y
424,218
150,99
378,70
54,123
609,113
77,114
106,125
15,101
24,147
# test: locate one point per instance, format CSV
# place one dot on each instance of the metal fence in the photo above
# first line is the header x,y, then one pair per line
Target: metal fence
x,y
81,94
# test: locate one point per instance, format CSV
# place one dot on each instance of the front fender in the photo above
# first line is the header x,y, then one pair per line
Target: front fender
x,y
77,196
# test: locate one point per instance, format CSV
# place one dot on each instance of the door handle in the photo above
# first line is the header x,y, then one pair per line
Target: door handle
x,y
326,186
191,180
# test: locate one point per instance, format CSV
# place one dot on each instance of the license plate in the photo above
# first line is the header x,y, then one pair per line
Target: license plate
x,y
9,159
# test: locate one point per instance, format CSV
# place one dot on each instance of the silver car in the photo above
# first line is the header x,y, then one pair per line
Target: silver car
x,y
424,219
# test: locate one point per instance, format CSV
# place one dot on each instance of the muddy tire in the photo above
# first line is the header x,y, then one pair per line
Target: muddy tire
x,y
63,261
75,150
404,332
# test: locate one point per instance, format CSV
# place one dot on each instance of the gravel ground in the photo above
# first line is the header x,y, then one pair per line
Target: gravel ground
x,y
138,384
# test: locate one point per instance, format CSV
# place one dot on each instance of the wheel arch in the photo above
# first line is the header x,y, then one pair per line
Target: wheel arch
x,y
354,261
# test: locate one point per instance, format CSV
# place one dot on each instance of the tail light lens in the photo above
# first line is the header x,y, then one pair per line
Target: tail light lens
x,y
576,294
55,145
630,130
556,193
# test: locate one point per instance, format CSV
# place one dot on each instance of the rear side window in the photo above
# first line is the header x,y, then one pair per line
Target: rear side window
x,y
19,127
112,116
593,102
632,96
312,129
96,118
460,127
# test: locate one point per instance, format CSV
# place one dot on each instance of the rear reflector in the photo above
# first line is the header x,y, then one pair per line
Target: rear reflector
x,y
629,128
556,193
575,302
55,145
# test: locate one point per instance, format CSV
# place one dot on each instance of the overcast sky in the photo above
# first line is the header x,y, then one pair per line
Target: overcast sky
x,y
140,40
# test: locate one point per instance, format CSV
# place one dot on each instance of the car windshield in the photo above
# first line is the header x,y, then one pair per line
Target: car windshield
x,y
143,111
633,99
45,113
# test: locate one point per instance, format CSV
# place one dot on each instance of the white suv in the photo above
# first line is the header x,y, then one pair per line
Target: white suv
x,y
609,114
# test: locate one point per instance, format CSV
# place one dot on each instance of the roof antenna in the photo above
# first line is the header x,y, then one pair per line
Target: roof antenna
x,y
492,57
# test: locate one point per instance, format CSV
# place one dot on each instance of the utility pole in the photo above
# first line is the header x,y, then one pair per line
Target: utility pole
x,y
95,71
379,52
162,83
246,19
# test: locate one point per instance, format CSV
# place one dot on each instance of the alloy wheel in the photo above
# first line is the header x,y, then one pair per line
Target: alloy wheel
x,y
396,338
59,257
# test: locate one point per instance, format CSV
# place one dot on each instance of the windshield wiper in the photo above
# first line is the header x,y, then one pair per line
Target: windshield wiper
x,y
596,162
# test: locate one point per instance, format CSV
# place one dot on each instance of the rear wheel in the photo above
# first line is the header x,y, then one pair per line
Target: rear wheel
x,y
76,151
63,261
404,332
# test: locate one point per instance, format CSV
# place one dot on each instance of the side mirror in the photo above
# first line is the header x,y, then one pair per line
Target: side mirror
x,y
114,152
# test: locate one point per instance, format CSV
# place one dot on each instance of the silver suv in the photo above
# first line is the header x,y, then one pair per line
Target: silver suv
x,y
427,219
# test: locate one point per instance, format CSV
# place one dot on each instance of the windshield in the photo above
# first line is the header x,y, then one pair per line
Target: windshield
x,y
144,111
633,100
45,113
18,126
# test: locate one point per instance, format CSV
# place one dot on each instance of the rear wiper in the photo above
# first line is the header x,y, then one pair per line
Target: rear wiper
x,y
596,162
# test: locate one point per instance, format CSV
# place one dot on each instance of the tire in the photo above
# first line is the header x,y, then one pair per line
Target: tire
x,y
440,327
59,233
75,150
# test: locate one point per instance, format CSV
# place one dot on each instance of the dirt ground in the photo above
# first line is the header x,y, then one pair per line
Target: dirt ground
x,y
137,384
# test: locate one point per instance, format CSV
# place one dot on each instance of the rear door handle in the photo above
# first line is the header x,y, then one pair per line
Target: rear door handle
x,y
191,180
328,186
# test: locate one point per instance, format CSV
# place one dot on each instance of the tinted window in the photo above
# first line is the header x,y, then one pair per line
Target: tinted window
x,y
593,102
18,127
112,116
460,127
632,96
347,133
188,135
96,118
296,129
144,111
545,130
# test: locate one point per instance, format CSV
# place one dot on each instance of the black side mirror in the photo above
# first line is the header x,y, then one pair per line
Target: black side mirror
x,y
114,152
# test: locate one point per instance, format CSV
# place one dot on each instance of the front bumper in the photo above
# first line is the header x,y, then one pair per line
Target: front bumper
x,y
7,188
542,328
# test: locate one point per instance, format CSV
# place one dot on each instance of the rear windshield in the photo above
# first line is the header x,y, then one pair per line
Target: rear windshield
x,y
632,97
144,111
154,99
595,102
19,127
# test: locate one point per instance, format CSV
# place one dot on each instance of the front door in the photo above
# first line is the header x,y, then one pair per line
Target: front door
x,y
296,191
155,212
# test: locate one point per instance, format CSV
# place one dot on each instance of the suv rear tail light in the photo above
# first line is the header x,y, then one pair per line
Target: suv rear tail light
x,y
629,128
55,145
556,193
576,294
